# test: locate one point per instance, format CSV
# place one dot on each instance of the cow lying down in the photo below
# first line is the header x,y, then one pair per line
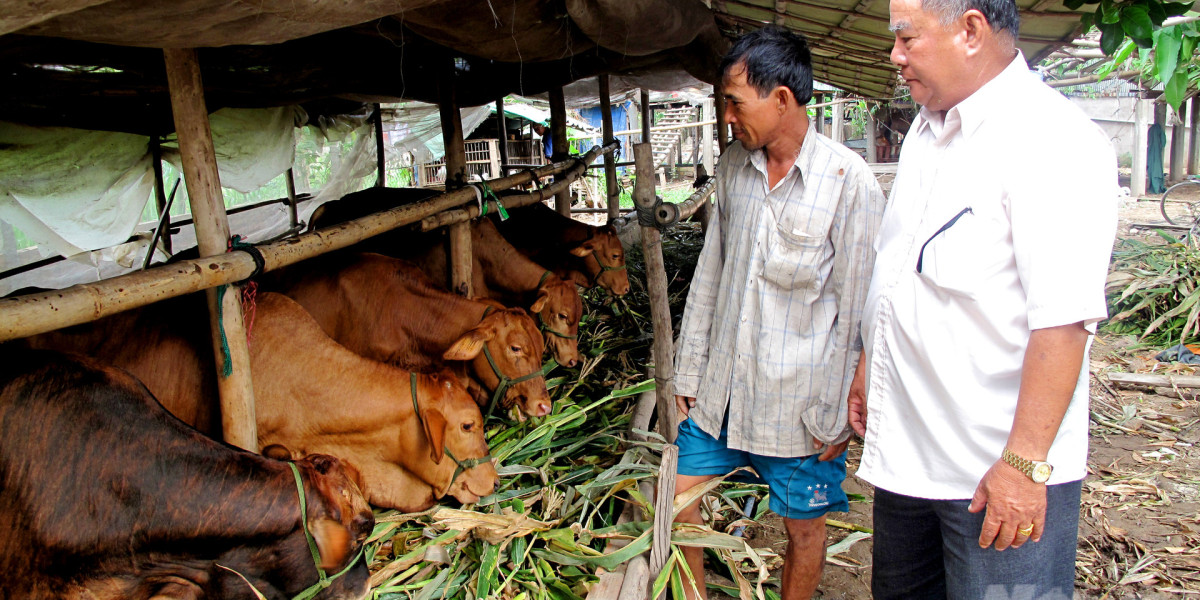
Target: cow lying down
x,y
311,395
103,494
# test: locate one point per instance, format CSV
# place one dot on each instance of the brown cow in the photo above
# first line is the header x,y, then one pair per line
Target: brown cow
x,y
499,269
158,344
585,254
103,494
503,273
363,411
386,309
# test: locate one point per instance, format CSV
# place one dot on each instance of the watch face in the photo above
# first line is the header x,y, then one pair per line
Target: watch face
x,y
1041,472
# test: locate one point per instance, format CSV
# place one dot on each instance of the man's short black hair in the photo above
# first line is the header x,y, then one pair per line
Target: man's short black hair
x,y
773,56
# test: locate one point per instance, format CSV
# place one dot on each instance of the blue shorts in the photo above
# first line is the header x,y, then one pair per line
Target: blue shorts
x,y
801,487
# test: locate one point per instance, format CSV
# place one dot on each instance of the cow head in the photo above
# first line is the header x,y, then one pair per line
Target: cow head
x,y
512,362
604,258
335,503
559,309
459,462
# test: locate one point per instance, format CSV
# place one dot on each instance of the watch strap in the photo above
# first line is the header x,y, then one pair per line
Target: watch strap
x,y
1023,465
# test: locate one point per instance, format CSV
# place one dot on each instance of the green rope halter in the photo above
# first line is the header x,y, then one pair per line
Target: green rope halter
x,y
461,465
325,580
505,381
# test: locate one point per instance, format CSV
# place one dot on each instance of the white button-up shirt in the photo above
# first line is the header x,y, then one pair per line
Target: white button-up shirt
x,y
1032,183
772,318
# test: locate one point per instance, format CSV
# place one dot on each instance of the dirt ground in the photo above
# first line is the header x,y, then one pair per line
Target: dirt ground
x,y
1139,531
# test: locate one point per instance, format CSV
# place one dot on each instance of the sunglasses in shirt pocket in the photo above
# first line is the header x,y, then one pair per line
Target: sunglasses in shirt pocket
x,y
950,258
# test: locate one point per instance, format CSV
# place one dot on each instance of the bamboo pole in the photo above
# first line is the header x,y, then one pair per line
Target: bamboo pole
x,y
460,259
664,500
293,216
1179,144
558,127
452,132
669,213
160,193
613,193
1194,151
212,235
562,182
1137,183
502,122
31,314
836,131
656,284
722,126
380,158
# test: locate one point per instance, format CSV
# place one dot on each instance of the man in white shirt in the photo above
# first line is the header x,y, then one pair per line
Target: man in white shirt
x,y
769,338
978,317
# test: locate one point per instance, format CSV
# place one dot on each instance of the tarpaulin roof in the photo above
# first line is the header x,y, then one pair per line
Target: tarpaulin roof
x,y
96,64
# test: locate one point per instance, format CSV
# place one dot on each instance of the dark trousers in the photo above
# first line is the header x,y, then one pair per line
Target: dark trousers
x,y
929,549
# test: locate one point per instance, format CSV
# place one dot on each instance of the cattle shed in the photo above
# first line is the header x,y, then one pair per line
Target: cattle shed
x,y
158,70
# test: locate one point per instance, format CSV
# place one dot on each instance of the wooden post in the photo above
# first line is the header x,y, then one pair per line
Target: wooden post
x,y
212,234
706,137
1194,153
656,283
1179,144
647,118
380,158
1137,179
561,151
160,193
293,217
452,132
870,135
836,132
664,500
722,126
502,122
460,259
613,193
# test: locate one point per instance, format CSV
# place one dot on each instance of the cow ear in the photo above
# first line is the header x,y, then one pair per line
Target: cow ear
x,y
435,432
323,463
277,452
540,303
470,344
584,249
579,279
333,542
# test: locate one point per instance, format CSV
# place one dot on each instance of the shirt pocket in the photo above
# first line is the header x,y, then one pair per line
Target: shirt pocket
x,y
956,260
793,257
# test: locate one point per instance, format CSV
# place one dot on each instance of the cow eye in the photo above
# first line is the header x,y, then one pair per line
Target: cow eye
x,y
468,426
515,349
562,316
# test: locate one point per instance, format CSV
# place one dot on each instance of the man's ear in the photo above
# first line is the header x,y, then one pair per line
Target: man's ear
x,y
976,31
783,97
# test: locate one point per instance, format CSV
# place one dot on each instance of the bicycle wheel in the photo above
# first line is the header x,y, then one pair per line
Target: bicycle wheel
x,y
1184,209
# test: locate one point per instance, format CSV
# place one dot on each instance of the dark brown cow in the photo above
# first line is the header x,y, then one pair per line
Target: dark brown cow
x,y
301,376
103,494
499,270
585,254
387,309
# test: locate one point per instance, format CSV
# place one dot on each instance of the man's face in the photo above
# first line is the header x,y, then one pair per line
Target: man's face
x,y
929,55
754,120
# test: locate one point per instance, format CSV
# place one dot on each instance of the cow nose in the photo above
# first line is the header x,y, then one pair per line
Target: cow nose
x,y
543,409
571,362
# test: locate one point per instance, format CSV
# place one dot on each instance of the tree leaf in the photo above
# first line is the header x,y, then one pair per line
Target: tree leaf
x,y
1111,36
1109,14
1175,89
1086,21
1136,22
1073,4
1156,12
1146,43
1116,61
1166,52
1176,9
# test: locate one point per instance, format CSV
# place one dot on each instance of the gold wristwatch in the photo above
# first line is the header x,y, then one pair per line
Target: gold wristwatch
x,y
1037,470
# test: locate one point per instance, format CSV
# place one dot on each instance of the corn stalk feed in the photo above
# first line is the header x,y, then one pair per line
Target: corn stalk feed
x,y
565,479
1152,291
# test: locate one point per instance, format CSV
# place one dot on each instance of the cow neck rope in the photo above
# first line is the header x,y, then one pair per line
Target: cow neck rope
x,y
461,465
542,326
325,581
504,382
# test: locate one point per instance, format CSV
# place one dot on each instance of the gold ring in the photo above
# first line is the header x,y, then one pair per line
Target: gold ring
x,y
1026,531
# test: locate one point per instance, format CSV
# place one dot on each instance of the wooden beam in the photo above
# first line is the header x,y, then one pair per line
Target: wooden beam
x,y
561,150
613,192
380,157
452,132
656,283
502,122
199,160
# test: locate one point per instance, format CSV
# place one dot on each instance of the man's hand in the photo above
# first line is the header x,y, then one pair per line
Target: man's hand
x,y
684,403
857,399
832,451
1013,501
